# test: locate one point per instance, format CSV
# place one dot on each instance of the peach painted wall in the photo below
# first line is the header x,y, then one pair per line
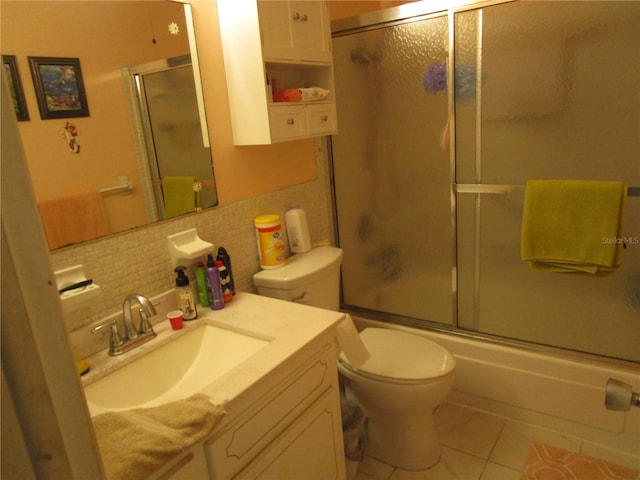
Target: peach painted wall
x,y
64,29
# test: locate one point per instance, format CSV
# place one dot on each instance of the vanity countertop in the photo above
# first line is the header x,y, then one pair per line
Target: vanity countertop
x,y
287,326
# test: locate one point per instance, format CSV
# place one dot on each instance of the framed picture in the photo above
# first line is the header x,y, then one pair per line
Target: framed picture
x,y
59,87
15,87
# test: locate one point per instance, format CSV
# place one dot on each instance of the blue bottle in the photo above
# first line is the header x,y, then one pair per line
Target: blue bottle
x,y
213,284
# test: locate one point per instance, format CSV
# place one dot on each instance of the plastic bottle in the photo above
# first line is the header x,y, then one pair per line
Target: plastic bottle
x,y
184,295
298,230
269,237
201,279
224,257
227,296
213,284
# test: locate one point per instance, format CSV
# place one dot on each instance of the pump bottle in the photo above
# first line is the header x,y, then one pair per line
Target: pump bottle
x,y
184,295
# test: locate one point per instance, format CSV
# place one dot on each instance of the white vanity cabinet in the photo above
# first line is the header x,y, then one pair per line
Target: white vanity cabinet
x,y
288,426
190,465
277,44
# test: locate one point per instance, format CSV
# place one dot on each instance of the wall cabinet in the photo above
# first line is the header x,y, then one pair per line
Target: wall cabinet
x,y
277,44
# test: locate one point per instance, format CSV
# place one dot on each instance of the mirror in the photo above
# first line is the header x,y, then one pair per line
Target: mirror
x,y
120,167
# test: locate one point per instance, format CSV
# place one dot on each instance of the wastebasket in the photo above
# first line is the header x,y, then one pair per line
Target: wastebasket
x,y
354,430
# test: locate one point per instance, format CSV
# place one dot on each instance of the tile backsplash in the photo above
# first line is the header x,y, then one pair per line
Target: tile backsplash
x,y
138,261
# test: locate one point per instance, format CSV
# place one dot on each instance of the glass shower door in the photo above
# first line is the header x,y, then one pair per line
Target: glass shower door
x,y
392,177
557,96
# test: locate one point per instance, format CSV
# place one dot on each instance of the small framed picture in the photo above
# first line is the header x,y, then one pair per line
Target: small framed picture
x,y
15,87
59,87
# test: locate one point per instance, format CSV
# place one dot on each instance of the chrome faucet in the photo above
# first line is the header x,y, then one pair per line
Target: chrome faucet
x,y
147,310
133,337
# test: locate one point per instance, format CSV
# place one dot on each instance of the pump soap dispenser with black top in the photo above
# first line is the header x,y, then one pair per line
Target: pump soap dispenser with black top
x,y
184,295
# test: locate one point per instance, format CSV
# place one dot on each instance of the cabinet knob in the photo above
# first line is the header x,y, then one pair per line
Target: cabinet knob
x,y
296,16
290,121
324,118
303,18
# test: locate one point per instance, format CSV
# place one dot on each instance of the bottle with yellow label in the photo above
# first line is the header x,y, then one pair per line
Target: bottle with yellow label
x,y
270,240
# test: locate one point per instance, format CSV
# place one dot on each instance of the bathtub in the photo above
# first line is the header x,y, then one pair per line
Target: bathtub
x,y
545,389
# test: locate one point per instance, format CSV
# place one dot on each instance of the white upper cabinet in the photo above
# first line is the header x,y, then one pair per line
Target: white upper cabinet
x,y
273,44
297,31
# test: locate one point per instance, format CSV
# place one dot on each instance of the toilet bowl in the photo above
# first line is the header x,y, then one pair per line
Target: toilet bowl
x,y
399,388
402,383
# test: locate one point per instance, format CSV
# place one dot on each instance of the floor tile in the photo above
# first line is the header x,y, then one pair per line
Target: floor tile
x,y
493,471
467,430
375,468
454,465
515,440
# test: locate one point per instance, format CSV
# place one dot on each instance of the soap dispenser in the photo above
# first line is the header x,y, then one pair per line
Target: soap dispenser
x,y
184,295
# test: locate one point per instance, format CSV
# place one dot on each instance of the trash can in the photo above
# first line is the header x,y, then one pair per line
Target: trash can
x,y
354,431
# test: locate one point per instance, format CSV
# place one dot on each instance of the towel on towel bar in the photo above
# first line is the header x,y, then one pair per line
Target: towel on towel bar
x,y
73,219
179,195
136,443
568,225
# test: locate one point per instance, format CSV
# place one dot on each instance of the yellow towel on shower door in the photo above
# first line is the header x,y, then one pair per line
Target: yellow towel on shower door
x,y
573,225
179,195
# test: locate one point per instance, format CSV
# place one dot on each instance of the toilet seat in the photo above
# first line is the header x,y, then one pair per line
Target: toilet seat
x,y
401,357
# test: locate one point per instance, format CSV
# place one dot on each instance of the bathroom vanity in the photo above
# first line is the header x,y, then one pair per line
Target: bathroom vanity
x,y
283,409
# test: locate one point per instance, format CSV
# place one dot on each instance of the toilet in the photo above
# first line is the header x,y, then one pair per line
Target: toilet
x,y
407,377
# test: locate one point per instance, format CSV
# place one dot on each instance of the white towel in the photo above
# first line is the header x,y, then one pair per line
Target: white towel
x,y
351,344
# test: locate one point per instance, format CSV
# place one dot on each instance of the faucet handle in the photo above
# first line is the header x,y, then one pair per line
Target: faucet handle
x,y
145,325
115,339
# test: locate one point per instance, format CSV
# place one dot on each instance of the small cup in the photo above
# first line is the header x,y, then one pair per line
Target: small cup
x,y
176,318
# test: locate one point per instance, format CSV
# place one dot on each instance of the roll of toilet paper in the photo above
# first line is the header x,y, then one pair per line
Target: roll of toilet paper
x,y
351,344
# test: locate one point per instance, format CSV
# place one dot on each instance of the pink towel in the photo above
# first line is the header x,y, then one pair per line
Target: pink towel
x,y
73,219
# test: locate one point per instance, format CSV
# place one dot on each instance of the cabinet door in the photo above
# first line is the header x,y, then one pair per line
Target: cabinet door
x,y
295,31
276,29
312,30
310,448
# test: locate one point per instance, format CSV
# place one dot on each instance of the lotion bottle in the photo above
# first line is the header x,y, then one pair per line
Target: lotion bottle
x,y
184,295
298,230
213,283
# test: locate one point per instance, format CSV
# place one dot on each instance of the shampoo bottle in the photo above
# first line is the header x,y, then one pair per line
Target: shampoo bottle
x,y
213,282
201,279
184,295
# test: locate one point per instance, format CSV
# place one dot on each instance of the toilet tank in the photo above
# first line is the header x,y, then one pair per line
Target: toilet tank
x,y
311,278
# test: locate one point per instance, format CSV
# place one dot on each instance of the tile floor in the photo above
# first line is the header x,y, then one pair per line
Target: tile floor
x,y
480,446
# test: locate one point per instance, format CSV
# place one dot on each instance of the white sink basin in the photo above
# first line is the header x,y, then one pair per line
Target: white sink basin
x,y
173,371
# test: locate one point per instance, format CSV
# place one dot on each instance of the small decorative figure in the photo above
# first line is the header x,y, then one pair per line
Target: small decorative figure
x,y
70,134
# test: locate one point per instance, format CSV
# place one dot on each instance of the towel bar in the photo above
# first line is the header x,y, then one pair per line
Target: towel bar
x,y
486,188
124,187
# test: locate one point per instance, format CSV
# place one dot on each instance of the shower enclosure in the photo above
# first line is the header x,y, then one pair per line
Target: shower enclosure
x,y
443,118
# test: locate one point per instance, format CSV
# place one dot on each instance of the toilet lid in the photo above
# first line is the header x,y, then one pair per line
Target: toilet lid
x,y
403,356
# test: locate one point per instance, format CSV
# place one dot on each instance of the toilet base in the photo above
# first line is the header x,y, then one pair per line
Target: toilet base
x,y
406,442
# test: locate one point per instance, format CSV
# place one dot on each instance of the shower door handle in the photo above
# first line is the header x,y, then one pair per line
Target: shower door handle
x,y
487,188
